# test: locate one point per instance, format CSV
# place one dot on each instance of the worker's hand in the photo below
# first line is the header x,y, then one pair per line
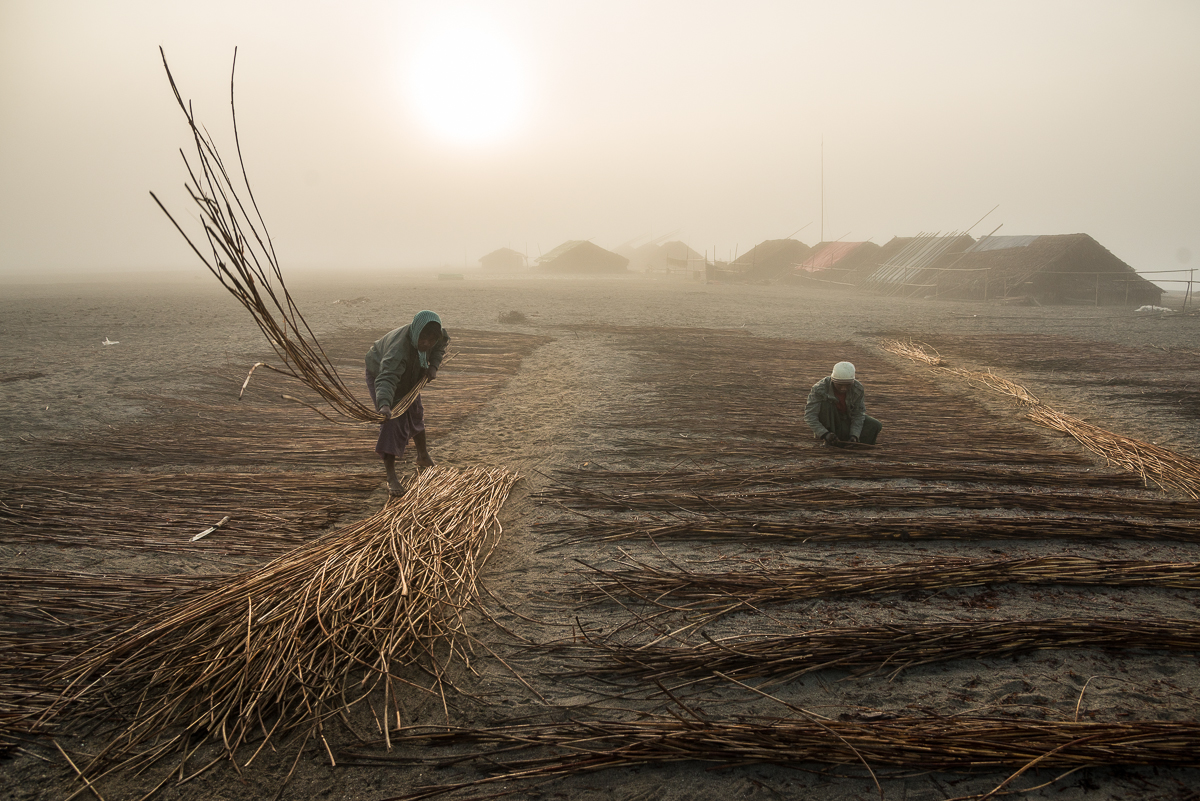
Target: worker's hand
x,y
830,438
853,439
386,411
430,372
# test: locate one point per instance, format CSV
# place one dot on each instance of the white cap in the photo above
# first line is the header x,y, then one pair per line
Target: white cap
x,y
843,371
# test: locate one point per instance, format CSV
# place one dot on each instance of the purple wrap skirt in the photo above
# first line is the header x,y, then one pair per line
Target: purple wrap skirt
x,y
395,433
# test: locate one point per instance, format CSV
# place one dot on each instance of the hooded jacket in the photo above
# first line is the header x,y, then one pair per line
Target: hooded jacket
x,y
396,363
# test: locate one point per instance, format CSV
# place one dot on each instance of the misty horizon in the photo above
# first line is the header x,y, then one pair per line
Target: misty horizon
x,y
398,136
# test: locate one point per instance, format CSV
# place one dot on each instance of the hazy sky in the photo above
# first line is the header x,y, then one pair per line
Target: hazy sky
x,y
427,134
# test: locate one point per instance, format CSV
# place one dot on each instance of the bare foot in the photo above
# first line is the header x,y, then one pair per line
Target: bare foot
x,y
395,490
423,460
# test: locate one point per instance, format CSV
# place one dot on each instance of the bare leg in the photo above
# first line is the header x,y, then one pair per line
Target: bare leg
x,y
423,459
389,464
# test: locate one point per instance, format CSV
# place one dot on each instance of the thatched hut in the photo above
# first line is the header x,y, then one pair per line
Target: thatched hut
x,y
1056,269
504,260
581,256
838,262
772,258
670,258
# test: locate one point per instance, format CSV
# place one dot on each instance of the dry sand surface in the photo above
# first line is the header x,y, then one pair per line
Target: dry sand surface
x,y
613,381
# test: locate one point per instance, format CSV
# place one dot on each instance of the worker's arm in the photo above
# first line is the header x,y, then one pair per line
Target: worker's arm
x,y
812,412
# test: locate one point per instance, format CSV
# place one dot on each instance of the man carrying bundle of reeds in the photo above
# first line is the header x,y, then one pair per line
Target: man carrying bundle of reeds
x,y
395,365
837,411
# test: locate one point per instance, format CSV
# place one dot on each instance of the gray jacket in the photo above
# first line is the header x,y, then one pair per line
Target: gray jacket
x,y
823,391
395,364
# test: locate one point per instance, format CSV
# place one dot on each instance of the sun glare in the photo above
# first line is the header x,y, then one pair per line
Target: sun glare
x,y
467,84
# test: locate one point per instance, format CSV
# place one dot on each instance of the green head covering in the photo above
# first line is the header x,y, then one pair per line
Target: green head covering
x,y
418,324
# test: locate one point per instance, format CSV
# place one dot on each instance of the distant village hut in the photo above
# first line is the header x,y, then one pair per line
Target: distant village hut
x,y
578,256
772,258
504,260
670,258
1055,269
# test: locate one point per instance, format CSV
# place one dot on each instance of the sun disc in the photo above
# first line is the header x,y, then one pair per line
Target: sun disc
x,y
467,85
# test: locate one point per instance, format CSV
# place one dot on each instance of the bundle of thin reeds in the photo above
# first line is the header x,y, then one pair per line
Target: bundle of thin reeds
x,y
864,649
517,753
250,659
1150,461
241,255
684,589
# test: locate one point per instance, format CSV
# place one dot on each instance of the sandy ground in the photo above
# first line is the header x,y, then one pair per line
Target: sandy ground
x,y
570,405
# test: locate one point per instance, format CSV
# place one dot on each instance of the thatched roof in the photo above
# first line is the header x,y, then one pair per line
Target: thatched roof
x,y
503,259
581,256
1062,268
771,258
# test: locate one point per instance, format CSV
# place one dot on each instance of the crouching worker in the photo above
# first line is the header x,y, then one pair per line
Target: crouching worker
x,y
394,366
836,411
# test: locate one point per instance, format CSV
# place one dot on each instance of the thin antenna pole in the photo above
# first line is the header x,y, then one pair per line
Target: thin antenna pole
x,y
822,187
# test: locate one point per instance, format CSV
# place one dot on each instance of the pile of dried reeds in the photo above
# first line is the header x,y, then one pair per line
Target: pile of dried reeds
x,y
234,667
864,649
517,753
678,588
1150,461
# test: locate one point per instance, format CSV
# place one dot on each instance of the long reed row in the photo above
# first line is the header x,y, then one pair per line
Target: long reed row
x,y
680,588
252,659
269,513
834,499
1164,466
800,474
835,527
934,743
863,649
